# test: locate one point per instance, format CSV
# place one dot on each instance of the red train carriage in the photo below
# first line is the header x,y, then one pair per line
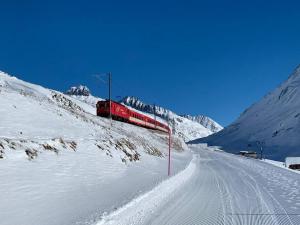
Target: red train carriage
x,y
122,113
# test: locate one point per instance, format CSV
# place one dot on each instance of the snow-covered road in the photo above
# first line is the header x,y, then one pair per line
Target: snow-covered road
x,y
223,189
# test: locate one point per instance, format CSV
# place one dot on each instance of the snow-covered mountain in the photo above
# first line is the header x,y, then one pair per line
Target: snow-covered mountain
x,y
273,123
79,90
206,122
83,93
184,127
151,109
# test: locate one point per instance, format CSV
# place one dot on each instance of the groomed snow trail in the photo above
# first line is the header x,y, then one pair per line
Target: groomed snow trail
x,y
223,190
137,211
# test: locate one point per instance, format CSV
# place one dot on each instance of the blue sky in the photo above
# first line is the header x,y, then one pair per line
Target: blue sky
x,y
198,57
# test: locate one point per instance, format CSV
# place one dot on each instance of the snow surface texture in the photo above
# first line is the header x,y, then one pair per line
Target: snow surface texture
x,y
280,164
61,164
292,160
225,189
139,209
273,121
187,128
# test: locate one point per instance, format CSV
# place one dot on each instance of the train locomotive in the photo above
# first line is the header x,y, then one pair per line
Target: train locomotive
x,y
122,113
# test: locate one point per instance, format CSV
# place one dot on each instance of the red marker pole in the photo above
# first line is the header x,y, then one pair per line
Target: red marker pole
x,y
169,161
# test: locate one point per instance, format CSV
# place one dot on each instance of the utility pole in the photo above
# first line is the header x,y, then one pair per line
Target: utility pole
x,y
101,78
261,145
109,97
262,150
109,93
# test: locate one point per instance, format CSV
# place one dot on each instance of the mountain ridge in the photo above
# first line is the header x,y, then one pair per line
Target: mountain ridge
x,y
166,114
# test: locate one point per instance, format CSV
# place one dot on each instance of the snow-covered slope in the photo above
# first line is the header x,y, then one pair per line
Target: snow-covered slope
x,y
83,94
274,121
183,127
61,164
206,122
30,111
217,189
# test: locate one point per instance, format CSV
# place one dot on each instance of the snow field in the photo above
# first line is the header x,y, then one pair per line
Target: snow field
x,y
144,207
231,190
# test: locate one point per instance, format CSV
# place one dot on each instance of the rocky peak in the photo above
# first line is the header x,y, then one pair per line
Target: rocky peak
x,y
80,90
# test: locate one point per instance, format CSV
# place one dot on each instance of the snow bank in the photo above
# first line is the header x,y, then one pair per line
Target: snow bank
x,y
142,208
292,160
280,164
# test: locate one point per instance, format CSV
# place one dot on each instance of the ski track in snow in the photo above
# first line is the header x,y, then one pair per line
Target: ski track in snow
x,y
218,189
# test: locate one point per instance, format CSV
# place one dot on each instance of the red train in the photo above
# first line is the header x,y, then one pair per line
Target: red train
x,y
122,113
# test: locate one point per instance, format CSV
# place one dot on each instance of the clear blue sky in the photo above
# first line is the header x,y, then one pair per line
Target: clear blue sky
x,y
198,57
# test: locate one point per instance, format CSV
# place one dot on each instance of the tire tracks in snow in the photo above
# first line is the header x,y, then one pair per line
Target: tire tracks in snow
x,y
189,206
275,212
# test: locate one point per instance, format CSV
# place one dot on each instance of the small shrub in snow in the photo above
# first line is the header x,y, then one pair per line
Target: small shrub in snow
x,y
99,146
128,148
62,142
65,103
73,145
1,154
12,145
31,153
50,148
154,151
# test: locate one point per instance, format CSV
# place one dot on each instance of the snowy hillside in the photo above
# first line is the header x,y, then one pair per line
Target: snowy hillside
x,y
206,122
274,121
83,94
185,128
57,156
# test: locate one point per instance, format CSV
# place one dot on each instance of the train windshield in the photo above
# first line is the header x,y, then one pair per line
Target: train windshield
x,y
102,104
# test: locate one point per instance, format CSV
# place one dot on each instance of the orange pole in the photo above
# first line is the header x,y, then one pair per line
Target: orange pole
x,y
169,160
